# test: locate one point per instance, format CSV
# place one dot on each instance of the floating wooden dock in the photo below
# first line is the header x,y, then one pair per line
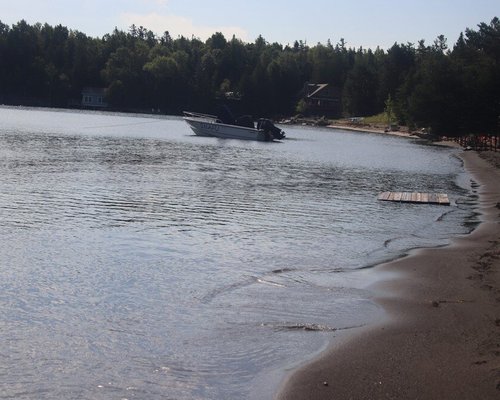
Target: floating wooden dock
x,y
421,198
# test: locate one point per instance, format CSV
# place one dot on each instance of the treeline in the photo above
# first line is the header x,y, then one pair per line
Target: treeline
x,y
450,90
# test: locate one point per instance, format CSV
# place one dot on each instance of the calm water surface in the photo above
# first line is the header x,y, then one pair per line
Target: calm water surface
x,y
138,261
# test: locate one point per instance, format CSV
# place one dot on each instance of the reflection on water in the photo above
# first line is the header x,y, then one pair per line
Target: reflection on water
x,y
140,261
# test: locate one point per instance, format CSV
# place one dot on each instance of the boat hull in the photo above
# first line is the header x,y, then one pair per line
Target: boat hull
x,y
207,127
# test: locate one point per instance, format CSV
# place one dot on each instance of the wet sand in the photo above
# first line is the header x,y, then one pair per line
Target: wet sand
x,y
441,339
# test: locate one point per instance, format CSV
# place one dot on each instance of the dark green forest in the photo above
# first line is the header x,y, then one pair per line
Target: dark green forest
x,y
452,89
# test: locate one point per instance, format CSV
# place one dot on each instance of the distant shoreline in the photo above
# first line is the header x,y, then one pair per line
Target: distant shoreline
x,y
345,124
371,129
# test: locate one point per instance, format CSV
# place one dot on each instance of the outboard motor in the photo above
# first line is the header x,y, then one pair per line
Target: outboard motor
x,y
271,131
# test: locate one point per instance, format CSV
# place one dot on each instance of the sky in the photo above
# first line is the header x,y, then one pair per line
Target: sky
x,y
361,23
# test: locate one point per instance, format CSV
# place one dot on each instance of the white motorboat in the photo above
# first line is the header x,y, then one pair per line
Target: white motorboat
x,y
240,128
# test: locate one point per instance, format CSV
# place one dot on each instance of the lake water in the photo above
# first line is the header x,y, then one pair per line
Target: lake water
x,y
138,261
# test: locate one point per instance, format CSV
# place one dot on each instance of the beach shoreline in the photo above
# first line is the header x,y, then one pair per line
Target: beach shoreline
x,y
373,129
441,339
346,125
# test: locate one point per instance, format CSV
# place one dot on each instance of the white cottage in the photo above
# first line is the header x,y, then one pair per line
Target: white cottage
x,y
94,97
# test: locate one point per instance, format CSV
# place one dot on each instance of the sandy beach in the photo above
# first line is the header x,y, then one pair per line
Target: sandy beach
x,y
441,339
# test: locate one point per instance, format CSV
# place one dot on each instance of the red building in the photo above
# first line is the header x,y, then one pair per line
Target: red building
x,y
322,99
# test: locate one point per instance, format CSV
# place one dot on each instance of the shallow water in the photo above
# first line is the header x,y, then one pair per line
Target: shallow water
x,y
140,261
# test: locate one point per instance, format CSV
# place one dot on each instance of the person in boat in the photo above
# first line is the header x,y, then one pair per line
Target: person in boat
x,y
225,115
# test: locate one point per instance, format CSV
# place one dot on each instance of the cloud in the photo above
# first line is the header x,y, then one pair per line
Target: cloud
x,y
177,25
161,3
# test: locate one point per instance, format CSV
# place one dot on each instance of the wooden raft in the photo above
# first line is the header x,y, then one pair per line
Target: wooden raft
x,y
408,197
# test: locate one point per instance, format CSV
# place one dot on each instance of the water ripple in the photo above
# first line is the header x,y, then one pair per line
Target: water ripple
x,y
140,261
